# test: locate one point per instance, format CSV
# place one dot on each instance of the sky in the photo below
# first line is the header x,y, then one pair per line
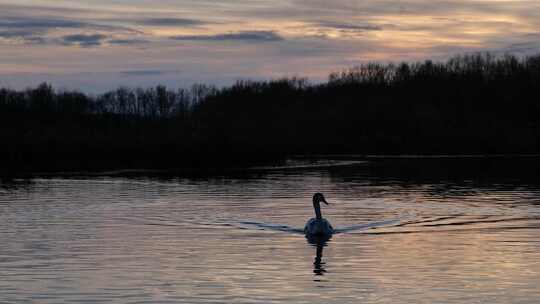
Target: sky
x,y
98,45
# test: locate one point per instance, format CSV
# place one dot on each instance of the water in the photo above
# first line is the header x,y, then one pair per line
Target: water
x,y
425,231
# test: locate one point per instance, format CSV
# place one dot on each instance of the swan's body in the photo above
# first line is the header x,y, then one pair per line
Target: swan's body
x,y
318,226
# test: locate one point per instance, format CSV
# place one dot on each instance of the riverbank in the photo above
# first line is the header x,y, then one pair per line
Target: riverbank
x,y
469,105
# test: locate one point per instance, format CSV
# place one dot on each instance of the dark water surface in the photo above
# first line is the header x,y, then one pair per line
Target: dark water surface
x,y
411,231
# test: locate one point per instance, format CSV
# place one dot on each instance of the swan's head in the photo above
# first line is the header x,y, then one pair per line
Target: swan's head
x,y
318,197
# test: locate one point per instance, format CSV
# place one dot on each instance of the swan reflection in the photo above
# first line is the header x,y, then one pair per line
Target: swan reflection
x,y
319,242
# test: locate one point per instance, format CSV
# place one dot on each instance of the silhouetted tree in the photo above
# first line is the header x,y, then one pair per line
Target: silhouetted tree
x,y
476,103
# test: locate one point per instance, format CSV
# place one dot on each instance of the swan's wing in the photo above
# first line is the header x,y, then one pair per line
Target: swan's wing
x,y
365,226
275,227
289,229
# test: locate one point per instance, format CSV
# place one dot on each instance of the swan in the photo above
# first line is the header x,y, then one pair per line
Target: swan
x,y
318,226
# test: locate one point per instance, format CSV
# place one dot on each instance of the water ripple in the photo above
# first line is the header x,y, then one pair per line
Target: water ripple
x,y
438,237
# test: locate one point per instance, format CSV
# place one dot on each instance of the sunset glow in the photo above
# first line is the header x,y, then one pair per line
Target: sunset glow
x,y
99,45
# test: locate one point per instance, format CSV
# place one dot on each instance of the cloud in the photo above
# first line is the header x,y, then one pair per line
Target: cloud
x,y
42,23
16,33
84,40
32,30
144,72
127,41
253,36
528,44
523,47
35,29
349,26
18,9
319,36
170,22
26,36
336,29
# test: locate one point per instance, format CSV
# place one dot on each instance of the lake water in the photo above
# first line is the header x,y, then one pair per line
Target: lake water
x,y
411,231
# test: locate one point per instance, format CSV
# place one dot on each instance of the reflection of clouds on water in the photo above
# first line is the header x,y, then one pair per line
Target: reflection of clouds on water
x,y
400,235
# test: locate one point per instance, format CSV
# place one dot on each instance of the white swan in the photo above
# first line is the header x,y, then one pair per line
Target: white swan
x,y
318,226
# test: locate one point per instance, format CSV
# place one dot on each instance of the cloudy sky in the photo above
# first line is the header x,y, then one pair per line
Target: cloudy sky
x,y
97,45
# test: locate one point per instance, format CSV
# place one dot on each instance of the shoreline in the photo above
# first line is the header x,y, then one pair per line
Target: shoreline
x,y
296,162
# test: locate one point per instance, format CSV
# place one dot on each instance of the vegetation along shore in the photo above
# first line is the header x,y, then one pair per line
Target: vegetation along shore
x,y
470,104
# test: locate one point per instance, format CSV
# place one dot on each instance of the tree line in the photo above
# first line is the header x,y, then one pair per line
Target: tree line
x,y
469,104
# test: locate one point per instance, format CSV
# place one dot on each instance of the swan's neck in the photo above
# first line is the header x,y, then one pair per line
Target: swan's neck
x,y
317,207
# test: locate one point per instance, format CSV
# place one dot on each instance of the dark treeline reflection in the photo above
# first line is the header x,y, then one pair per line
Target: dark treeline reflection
x,y
467,105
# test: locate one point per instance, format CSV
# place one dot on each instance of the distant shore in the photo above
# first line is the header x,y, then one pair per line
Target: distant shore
x,y
470,106
297,162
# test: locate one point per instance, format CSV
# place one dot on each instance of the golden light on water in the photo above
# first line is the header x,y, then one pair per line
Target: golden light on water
x,y
202,241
